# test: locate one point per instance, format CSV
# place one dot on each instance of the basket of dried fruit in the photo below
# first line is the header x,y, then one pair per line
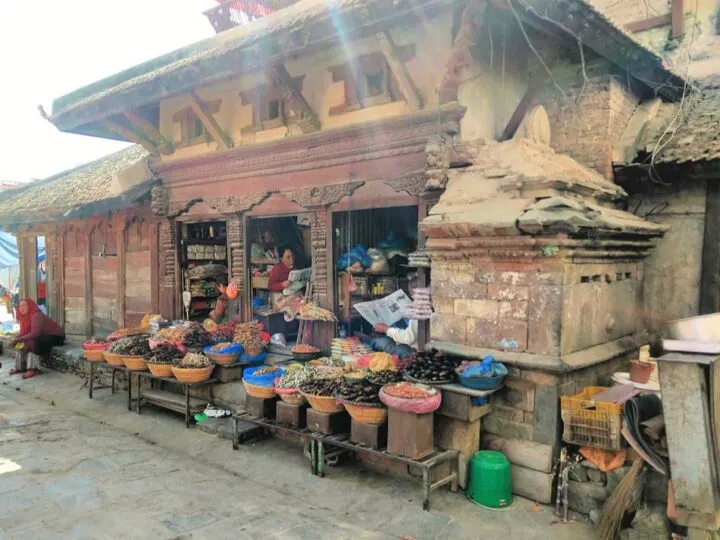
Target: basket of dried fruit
x,y
303,353
224,354
193,368
161,359
366,413
113,359
134,363
386,376
321,394
410,397
362,401
257,391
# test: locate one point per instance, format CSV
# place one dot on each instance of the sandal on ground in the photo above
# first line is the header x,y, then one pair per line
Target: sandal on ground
x,y
15,371
29,374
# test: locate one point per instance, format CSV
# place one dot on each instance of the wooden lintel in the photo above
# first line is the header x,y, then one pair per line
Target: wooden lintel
x,y
677,18
399,69
208,120
519,114
131,136
649,23
307,119
149,131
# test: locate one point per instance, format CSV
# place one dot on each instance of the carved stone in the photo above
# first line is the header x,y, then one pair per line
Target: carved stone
x,y
412,184
226,205
160,201
322,195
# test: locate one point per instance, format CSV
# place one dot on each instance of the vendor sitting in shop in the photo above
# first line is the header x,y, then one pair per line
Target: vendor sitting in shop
x,y
225,308
283,291
396,340
38,335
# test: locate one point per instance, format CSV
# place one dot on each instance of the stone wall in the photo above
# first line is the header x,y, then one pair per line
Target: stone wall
x,y
589,116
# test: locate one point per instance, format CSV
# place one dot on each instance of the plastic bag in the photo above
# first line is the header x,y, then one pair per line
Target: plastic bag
x,y
353,256
254,360
267,379
232,290
278,339
232,348
416,405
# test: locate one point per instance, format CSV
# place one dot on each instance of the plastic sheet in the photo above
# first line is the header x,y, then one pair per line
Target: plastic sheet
x,y
253,360
262,380
232,348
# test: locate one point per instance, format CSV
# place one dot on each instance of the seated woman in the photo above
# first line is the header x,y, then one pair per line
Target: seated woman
x,y
400,341
38,335
285,295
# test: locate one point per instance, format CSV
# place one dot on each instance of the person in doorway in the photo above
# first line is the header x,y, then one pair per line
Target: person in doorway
x,y
278,280
222,312
38,335
396,340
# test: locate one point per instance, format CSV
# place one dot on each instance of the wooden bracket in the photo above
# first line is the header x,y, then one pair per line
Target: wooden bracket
x,y
407,85
131,136
307,119
208,120
149,131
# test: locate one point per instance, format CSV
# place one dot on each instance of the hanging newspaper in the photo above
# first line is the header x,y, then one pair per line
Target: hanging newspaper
x,y
387,310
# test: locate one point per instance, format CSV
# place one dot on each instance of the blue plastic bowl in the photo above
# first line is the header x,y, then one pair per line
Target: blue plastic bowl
x,y
254,360
261,380
485,383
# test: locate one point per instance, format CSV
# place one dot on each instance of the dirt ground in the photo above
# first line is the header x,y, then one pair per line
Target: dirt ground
x,y
71,467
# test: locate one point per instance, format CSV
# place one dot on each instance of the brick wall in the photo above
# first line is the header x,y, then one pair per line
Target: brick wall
x,y
588,119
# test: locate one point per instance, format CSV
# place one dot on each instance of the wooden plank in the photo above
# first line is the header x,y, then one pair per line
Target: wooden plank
x,y
399,69
534,485
88,290
677,18
130,136
61,279
528,454
211,125
307,118
649,23
520,112
149,131
120,288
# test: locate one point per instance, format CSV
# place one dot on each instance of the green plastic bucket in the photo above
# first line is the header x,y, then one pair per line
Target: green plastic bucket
x,y
489,479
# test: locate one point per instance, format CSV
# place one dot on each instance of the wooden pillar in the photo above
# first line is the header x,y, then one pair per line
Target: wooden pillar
x,y
318,238
60,273
423,277
710,280
167,256
121,263
154,268
88,287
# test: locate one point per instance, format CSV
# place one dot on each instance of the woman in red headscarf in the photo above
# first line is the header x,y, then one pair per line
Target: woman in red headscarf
x,y
38,335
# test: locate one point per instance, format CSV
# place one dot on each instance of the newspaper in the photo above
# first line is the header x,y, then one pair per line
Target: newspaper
x,y
387,310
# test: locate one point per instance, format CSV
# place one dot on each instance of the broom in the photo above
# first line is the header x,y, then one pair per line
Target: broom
x,y
626,497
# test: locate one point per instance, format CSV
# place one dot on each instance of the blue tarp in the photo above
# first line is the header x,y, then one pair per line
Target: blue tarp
x,y
8,250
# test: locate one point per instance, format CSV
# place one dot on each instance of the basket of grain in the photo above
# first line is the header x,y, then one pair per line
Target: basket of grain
x,y
366,413
324,404
94,355
134,363
193,368
229,355
291,396
160,370
258,391
321,394
113,359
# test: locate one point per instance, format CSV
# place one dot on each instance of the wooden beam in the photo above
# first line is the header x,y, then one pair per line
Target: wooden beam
x,y
648,24
88,287
208,120
154,267
307,119
130,136
149,131
61,277
120,289
678,19
519,114
399,69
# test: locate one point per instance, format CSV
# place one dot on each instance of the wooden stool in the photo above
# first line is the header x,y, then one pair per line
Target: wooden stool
x,y
293,415
328,423
260,407
371,435
409,434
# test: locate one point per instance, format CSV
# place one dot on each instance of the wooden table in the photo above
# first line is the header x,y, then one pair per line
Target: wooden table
x,y
170,400
115,369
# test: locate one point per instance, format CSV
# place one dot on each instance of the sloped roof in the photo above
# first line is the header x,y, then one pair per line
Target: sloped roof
x,y
311,25
85,190
687,131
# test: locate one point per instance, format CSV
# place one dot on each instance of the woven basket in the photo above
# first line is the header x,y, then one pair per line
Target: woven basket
x,y
291,396
324,404
259,391
254,351
160,370
192,375
94,356
113,359
134,363
366,414
223,359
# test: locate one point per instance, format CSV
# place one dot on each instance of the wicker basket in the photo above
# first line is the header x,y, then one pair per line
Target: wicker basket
x,y
134,363
324,404
223,359
160,370
366,414
291,396
94,356
254,390
113,359
192,375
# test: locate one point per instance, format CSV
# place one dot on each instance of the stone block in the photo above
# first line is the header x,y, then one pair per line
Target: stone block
x,y
534,485
510,413
528,454
371,435
512,335
460,407
444,305
458,435
448,328
507,428
546,421
596,476
409,434
260,407
544,320
519,394
454,288
481,333
328,423
513,310
479,309
501,291
293,415
585,497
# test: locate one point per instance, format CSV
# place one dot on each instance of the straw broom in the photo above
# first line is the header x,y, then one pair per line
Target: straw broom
x,y
626,497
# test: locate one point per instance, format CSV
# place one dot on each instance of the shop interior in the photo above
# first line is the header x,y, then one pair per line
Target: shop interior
x,y
387,236
204,264
266,239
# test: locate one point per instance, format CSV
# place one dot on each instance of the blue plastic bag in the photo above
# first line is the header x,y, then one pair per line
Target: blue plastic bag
x,y
350,257
262,380
254,360
232,348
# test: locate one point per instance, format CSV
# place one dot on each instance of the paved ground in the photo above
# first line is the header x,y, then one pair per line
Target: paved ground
x,y
71,467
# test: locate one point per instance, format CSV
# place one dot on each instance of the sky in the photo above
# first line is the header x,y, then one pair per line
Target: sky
x,y
49,48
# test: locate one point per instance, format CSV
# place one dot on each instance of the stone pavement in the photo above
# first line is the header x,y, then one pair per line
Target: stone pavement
x,y
71,467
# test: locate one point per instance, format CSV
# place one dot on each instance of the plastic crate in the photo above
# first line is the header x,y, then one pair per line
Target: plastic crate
x,y
587,422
